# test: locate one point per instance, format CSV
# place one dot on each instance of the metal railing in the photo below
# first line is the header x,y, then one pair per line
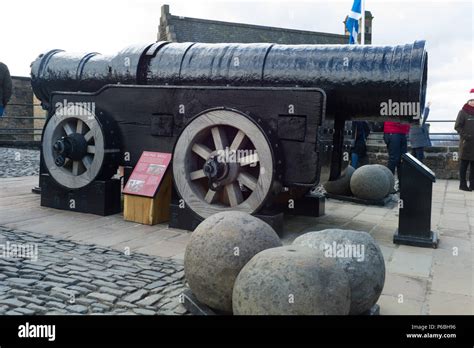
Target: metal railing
x,y
438,139
21,129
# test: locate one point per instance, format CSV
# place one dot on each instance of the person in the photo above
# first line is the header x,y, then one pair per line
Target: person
x,y
395,137
359,150
5,87
420,136
465,127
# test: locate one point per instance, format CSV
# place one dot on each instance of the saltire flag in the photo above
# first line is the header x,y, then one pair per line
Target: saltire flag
x,y
352,23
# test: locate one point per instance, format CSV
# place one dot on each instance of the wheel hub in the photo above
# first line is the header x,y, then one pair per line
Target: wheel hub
x,y
73,146
214,169
219,172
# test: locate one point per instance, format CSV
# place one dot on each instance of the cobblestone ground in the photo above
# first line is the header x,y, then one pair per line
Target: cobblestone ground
x,y
71,278
18,162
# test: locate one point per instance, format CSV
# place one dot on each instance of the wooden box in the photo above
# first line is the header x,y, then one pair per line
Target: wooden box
x,y
150,211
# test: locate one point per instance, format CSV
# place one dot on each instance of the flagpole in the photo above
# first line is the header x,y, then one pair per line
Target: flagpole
x,y
362,32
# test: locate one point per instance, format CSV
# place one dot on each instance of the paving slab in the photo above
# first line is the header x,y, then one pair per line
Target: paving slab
x,y
453,273
410,264
387,252
391,305
409,287
383,235
443,303
371,218
163,248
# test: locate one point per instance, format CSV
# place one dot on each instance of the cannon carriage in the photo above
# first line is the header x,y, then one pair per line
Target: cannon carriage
x,y
249,125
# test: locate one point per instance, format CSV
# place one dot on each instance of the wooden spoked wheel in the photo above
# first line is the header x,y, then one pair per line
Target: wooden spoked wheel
x,y
223,161
73,147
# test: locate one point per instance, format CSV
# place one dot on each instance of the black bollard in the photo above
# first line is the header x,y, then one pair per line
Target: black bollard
x,y
414,222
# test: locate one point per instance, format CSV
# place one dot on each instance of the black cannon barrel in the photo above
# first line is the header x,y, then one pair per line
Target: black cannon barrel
x,y
58,70
356,79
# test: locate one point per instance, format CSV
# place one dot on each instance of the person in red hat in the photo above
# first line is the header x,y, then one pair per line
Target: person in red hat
x,y
465,127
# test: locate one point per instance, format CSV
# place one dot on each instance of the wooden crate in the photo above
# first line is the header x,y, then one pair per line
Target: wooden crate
x,y
149,211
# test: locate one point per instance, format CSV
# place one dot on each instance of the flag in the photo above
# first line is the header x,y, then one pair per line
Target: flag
x,y
352,23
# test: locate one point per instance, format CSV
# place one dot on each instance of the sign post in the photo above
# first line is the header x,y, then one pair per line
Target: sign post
x,y
147,193
416,185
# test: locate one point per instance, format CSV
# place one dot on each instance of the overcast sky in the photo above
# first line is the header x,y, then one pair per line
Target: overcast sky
x,y
30,27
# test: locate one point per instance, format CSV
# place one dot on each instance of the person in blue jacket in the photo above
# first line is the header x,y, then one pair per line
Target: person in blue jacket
x,y
419,136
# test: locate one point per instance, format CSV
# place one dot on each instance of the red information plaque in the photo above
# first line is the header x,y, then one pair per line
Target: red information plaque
x,y
148,174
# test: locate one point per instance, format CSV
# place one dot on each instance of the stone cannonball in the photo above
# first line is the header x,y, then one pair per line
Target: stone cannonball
x,y
291,280
218,249
360,256
390,176
369,182
341,186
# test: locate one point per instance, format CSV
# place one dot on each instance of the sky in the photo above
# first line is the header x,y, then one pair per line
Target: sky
x,y
30,27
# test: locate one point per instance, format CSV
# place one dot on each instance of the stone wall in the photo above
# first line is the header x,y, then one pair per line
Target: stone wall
x,y
21,103
19,113
40,118
441,160
185,29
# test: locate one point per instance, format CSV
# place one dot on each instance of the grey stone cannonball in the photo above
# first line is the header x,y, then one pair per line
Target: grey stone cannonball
x,y
291,280
390,176
365,269
369,182
341,186
218,249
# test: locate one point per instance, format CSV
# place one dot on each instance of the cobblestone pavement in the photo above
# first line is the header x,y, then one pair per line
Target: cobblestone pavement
x,y
71,278
18,162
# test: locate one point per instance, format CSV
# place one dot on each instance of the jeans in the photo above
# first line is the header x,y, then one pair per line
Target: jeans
x,y
419,153
355,160
1,110
463,173
396,146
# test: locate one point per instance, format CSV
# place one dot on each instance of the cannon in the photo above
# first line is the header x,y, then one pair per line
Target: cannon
x,y
249,125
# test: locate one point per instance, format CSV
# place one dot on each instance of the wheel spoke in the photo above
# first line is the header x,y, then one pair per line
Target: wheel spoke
x,y
234,194
87,161
247,180
238,141
75,168
79,126
68,128
220,138
90,149
210,196
89,135
249,160
202,150
198,174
